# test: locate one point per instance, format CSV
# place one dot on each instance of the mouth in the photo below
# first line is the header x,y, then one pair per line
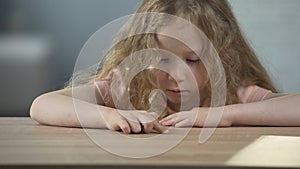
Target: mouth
x,y
177,91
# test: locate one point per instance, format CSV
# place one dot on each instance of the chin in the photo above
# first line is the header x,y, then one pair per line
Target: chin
x,y
176,105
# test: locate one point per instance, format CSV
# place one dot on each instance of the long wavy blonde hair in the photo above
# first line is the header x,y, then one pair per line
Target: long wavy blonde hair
x,y
216,20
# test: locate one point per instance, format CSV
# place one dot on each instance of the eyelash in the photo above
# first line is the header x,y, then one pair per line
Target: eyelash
x,y
189,61
164,59
192,61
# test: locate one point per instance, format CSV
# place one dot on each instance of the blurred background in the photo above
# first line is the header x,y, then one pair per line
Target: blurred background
x,y
41,39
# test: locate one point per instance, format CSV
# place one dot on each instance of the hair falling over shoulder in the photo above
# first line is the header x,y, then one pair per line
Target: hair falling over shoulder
x,y
216,20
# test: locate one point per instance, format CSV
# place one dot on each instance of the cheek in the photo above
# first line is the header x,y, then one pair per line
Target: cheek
x,y
160,78
201,77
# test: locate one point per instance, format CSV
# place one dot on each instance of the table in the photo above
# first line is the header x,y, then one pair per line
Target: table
x,y
26,144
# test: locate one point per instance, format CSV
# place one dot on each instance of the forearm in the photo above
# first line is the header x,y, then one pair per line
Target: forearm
x,y
59,110
280,111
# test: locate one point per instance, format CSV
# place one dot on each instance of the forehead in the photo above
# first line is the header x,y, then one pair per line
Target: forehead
x,y
175,35
173,45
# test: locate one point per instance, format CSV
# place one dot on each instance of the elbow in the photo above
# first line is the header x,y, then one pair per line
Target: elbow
x,y
35,111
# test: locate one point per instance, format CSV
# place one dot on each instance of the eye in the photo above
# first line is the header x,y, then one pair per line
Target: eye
x,y
193,60
164,59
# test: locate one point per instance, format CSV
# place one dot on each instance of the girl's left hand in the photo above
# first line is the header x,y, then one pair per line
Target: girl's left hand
x,y
195,117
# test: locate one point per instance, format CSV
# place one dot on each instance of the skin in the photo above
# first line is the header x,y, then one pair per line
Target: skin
x,y
175,83
267,112
57,108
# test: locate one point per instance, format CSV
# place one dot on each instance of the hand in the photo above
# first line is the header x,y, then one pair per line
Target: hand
x,y
132,121
196,117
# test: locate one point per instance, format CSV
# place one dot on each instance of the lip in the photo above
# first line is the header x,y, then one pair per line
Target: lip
x,y
177,91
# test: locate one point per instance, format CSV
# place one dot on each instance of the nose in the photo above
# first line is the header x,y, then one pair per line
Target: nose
x,y
177,73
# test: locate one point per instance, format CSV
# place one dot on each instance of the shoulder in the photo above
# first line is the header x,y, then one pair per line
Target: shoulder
x,y
111,85
252,93
104,93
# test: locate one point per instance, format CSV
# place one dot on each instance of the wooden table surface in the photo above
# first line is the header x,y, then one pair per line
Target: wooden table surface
x,y
26,144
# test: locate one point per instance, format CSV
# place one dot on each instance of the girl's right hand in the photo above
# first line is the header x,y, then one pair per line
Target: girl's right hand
x,y
132,121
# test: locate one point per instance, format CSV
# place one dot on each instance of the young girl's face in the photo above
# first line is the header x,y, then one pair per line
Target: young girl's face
x,y
179,74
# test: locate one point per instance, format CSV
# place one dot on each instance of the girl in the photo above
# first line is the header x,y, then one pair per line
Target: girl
x,y
251,98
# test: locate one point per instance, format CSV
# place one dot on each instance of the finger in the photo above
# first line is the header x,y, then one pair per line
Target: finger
x,y
124,126
159,128
168,118
147,127
132,120
171,118
146,122
114,127
135,127
173,121
183,123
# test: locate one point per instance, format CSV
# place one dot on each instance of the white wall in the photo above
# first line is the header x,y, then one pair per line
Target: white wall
x,y
272,27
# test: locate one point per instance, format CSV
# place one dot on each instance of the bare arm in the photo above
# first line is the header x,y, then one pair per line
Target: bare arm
x,y
275,110
58,108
